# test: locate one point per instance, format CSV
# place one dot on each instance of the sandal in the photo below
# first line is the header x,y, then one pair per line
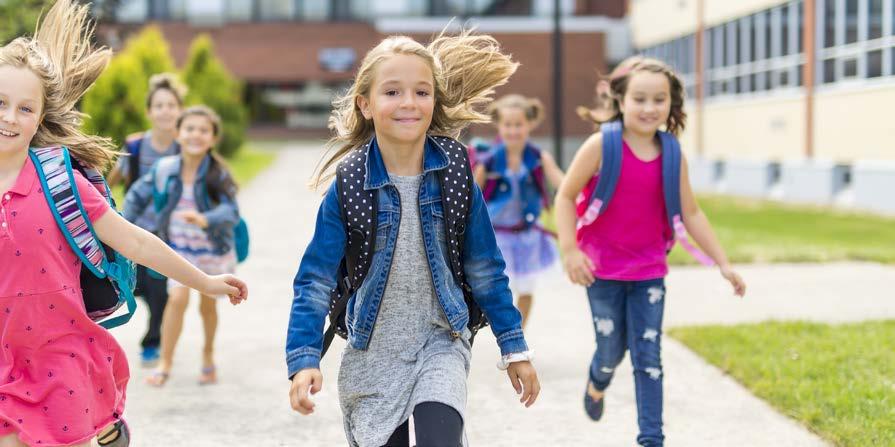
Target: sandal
x,y
209,376
119,436
158,378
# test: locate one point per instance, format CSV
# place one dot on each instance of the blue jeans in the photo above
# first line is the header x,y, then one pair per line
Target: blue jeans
x,y
628,315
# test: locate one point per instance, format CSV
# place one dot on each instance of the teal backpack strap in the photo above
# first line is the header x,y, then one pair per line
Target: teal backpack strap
x,y
671,185
54,170
164,169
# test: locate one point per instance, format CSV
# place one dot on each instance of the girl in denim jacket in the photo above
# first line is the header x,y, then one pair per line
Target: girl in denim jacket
x,y
408,345
195,199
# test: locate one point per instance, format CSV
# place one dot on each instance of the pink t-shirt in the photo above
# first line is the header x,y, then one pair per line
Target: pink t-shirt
x,y
627,242
62,376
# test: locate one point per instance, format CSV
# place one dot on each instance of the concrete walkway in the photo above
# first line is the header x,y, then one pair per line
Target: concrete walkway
x,y
703,407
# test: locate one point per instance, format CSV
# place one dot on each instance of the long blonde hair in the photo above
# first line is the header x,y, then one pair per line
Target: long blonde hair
x,y
467,68
63,59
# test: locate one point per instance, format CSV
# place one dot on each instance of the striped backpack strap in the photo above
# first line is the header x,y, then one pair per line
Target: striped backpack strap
x,y
54,169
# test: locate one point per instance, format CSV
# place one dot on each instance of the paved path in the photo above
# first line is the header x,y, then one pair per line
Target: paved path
x,y
703,407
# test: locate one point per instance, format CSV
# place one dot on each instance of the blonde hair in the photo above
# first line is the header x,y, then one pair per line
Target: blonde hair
x,y
165,81
611,91
63,59
533,108
466,69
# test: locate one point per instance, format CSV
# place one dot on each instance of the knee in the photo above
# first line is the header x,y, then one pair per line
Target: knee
x,y
208,307
177,302
647,357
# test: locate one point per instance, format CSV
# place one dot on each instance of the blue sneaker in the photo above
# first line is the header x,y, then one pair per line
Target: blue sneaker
x,y
593,408
149,357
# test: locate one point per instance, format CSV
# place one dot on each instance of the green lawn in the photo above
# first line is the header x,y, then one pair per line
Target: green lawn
x,y
839,380
761,231
248,163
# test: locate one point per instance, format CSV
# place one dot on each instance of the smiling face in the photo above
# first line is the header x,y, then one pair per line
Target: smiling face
x,y
21,105
646,104
196,135
513,126
401,99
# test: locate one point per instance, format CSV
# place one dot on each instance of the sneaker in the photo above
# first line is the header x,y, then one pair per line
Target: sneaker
x,y
593,408
149,357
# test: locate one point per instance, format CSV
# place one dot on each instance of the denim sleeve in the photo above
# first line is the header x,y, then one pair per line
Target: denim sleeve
x,y
316,277
484,267
138,197
225,213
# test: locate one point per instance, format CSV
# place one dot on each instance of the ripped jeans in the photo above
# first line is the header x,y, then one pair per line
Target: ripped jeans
x,y
628,315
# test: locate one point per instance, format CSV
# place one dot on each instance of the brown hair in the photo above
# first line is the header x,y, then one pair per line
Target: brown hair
x,y
533,108
62,57
218,180
466,67
611,91
165,81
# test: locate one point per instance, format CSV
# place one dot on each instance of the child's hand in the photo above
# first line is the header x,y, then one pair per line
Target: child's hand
x,y
194,218
229,285
578,266
298,393
523,377
739,286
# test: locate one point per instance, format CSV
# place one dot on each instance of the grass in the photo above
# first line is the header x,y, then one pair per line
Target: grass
x,y
760,231
245,166
838,380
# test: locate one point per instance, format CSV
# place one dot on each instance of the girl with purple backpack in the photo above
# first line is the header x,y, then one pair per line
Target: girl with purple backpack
x,y
513,178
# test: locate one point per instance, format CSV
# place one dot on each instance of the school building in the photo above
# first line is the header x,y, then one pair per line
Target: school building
x,y
786,99
294,55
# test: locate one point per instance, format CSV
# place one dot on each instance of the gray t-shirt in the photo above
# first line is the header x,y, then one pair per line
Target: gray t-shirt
x,y
148,157
412,357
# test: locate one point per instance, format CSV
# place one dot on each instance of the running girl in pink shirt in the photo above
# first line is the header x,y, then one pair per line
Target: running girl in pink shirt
x,y
625,200
62,376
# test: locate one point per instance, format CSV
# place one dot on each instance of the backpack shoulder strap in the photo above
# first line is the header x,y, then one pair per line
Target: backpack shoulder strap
x,y
359,212
54,169
495,163
611,165
456,191
358,208
671,175
162,171
132,144
610,171
537,172
671,184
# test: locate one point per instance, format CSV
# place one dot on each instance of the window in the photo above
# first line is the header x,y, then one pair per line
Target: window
x,y
875,19
858,48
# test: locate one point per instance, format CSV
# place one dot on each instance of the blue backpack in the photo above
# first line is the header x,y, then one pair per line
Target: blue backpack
x,y
164,169
107,278
602,187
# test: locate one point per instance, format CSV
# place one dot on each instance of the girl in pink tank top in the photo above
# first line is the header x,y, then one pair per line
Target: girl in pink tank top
x,y
618,251
64,377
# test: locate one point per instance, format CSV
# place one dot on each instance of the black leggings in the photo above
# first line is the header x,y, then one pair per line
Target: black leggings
x,y
155,292
435,425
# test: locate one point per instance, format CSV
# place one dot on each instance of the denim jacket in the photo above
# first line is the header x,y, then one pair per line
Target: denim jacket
x,y
221,215
318,272
532,194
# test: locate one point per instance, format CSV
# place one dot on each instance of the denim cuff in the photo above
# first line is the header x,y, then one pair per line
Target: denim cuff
x,y
512,341
302,358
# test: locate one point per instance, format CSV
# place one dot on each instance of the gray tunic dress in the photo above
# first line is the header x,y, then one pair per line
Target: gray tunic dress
x,y
412,357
